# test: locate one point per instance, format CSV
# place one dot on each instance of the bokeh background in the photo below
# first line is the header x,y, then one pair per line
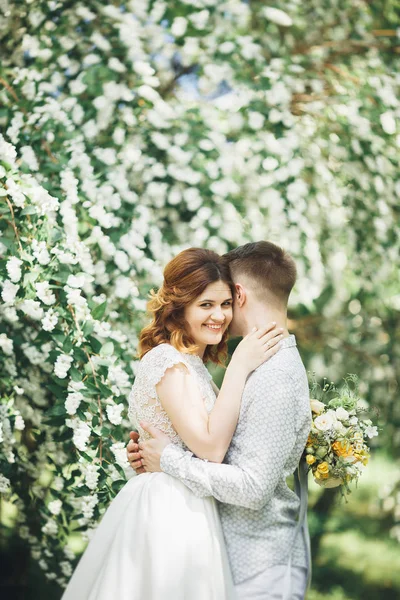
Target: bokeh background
x,y
131,130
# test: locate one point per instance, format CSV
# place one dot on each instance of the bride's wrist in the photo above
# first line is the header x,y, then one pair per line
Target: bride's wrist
x,y
239,369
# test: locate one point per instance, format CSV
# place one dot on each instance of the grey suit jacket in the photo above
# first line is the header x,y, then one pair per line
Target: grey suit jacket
x,y
258,510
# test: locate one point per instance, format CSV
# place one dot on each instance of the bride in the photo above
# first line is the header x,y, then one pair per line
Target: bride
x,y
157,540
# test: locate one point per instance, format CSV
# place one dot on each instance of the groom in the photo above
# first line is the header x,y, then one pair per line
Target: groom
x,y
263,520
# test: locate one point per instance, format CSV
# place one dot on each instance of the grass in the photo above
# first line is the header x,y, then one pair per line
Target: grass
x,y
358,560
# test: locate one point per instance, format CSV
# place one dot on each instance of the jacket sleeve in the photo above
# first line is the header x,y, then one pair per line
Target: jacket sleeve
x,y
268,435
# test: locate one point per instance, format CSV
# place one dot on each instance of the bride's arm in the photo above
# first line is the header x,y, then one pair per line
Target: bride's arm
x,y
208,435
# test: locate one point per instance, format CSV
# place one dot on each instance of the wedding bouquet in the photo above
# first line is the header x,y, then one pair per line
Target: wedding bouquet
x,y
337,448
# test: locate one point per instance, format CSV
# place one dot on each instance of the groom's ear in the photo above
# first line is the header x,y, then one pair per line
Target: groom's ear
x,y
240,295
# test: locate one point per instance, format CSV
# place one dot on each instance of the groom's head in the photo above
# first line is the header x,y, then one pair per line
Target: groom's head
x,y
263,274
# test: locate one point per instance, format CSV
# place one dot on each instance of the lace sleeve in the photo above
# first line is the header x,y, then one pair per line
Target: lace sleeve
x,y
159,360
144,404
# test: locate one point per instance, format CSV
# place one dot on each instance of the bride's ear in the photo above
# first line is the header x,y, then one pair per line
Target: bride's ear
x,y
240,295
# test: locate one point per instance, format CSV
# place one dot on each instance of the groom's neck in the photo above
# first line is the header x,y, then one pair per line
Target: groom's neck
x,y
260,317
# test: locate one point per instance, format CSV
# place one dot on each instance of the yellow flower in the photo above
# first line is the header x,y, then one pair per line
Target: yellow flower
x,y
310,459
322,471
309,441
362,457
342,449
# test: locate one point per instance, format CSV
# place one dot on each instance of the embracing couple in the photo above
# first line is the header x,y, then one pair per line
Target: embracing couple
x,y
210,516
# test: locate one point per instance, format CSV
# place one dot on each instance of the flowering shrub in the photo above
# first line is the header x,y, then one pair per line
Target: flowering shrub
x,y
132,129
337,447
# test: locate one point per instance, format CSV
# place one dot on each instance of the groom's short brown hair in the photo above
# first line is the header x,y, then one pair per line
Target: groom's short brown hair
x,y
270,268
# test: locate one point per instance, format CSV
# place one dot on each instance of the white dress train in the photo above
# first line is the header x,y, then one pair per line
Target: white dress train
x,y
157,540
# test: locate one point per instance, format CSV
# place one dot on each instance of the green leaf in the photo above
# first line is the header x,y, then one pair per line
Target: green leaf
x,y
56,411
29,210
68,345
107,349
88,328
95,344
118,484
120,470
75,374
99,311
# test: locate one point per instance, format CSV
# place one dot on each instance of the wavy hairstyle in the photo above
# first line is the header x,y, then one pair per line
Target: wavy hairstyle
x,y
185,277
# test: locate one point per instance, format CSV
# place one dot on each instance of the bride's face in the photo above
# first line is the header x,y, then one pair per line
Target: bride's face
x,y
209,315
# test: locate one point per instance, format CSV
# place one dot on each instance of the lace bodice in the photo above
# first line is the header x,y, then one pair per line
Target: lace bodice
x,y
144,404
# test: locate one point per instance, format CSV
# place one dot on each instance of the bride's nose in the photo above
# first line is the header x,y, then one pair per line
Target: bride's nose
x,y
218,316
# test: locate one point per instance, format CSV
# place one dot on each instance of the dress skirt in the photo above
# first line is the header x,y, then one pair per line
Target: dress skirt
x,y
156,541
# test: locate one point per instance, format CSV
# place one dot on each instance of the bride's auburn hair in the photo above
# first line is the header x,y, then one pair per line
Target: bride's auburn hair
x,y
185,277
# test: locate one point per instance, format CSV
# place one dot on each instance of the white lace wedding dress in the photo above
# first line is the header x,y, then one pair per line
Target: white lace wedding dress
x,y
157,540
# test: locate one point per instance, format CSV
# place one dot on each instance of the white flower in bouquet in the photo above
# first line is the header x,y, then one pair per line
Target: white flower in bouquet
x,y
342,414
324,422
371,431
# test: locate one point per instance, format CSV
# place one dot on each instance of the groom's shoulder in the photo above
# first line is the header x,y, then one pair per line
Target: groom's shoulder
x,y
285,366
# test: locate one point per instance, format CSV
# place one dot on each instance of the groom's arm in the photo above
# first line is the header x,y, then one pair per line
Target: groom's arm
x,y
267,441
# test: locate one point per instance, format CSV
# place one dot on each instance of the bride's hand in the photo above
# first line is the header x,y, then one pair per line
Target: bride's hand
x,y
256,347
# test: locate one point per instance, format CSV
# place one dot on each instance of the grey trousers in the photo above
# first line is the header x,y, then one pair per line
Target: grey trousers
x,y
269,585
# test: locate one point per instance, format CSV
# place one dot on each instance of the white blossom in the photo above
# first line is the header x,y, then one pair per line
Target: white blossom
x,y
81,435
73,401
278,16
4,484
114,413
92,475
32,309
119,451
388,122
19,423
49,320
50,528
62,365
9,291
55,507
40,252
44,292
13,267
6,344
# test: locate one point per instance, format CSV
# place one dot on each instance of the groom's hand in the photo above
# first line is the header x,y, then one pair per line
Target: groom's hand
x,y
132,451
151,450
